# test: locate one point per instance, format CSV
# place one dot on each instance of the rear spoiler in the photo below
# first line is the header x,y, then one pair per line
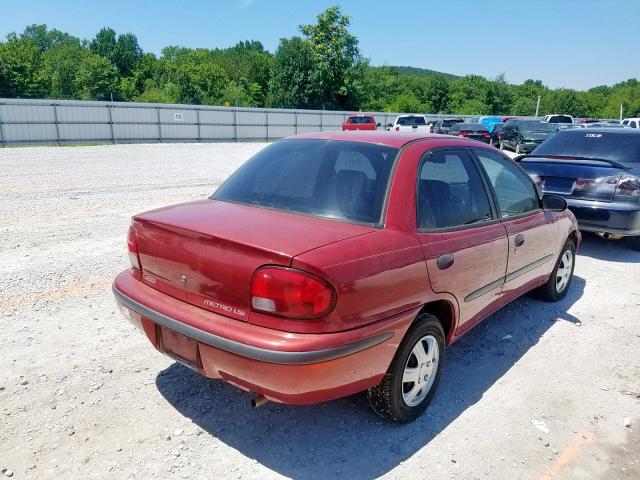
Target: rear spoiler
x,y
567,159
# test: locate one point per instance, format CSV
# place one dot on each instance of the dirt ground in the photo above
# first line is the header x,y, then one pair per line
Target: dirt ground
x,y
538,391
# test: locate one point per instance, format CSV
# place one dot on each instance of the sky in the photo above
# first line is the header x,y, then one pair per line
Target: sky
x,y
570,43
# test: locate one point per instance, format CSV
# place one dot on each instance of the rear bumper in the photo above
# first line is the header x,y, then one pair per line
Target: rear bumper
x,y
285,367
615,217
528,147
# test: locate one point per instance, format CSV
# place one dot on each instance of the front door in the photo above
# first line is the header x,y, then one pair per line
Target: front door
x,y
464,243
533,233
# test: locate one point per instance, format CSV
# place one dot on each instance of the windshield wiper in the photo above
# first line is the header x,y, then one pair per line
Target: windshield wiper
x,y
573,157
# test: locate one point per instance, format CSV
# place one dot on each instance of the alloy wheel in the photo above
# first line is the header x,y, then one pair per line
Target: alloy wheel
x,y
420,370
563,274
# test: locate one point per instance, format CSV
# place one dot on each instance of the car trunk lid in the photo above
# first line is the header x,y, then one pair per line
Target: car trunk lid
x,y
206,252
574,178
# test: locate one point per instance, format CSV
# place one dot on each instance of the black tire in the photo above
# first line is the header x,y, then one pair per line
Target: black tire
x,y
387,399
635,243
549,291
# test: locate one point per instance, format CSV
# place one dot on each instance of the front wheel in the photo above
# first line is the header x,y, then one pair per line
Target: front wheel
x,y
558,284
412,378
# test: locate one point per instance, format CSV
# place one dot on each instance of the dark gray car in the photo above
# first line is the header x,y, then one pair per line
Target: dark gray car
x,y
522,136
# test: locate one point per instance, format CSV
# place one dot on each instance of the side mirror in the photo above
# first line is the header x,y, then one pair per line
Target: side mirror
x,y
389,125
554,203
378,124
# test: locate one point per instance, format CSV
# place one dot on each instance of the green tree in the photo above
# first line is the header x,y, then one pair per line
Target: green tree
x,y
126,54
438,94
104,43
335,53
292,83
21,69
96,79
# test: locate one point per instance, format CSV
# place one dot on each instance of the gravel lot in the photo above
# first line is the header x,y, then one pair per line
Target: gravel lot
x,y
537,391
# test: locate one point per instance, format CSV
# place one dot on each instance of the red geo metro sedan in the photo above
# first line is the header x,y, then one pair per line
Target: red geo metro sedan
x,y
334,263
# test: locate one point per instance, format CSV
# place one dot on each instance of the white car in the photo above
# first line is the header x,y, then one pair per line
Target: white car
x,y
631,122
555,118
410,123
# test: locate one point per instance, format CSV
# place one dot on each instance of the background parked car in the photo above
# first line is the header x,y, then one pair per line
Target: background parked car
x,y
495,134
522,136
360,122
631,122
410,123
598,173
443,126
473,131
489,121
558,119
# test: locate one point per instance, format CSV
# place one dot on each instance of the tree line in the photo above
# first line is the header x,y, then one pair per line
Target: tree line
x,y
322,68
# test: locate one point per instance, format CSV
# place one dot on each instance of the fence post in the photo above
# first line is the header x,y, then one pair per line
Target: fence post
x,y
55,118
235,125
113,135
322,121
4,142
267,123
159,125
296,114
198,121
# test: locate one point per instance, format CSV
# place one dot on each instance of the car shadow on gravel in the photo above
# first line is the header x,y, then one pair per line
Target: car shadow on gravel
x,y
619,251
343,438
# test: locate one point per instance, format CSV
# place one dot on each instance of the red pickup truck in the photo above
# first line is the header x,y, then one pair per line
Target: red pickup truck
x,y
360,122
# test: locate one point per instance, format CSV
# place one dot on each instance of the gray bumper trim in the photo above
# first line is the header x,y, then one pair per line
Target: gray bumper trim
x,y
249,351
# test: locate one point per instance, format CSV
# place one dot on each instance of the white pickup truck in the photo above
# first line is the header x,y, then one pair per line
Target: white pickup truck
x,y
410,123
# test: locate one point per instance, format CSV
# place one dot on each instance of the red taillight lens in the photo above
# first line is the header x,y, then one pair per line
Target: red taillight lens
x,y
628,186
290,293
132,246
463,133
397,129
485,134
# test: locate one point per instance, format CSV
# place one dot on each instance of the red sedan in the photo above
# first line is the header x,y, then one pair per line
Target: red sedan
x,y
333,263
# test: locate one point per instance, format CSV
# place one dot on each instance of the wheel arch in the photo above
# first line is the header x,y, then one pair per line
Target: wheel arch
x,y
445,312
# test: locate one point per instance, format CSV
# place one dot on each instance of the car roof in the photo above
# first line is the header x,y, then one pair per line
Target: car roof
x,y
390,139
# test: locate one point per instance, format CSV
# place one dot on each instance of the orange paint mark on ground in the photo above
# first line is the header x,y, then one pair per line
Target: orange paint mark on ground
x,y
568,455
53,294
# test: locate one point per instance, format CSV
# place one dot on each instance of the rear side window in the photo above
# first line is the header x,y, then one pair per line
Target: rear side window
x,y
514,191
326,178
411,121
450,191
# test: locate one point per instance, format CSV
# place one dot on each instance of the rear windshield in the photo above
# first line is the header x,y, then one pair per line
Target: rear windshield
x,y
469,126
326,178
537,127
360,119
560,119
448,123
615,146
411,121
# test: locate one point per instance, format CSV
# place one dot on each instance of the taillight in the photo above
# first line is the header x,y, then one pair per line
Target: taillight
x,y
463,133
290,293
397,129
628,186
485,134
132,246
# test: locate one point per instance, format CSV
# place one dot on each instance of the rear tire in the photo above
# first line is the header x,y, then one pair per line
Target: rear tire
x,y
559,281
413,376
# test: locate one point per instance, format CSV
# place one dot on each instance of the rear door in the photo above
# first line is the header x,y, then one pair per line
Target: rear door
x,y
464,243
532,232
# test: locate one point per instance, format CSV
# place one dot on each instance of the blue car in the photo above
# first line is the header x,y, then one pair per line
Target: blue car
x,y
597,171
489,122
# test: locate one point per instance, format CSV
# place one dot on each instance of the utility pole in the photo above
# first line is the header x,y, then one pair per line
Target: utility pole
x,y
621,111
538,106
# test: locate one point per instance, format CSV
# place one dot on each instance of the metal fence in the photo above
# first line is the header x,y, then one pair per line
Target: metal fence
x,y
64,122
